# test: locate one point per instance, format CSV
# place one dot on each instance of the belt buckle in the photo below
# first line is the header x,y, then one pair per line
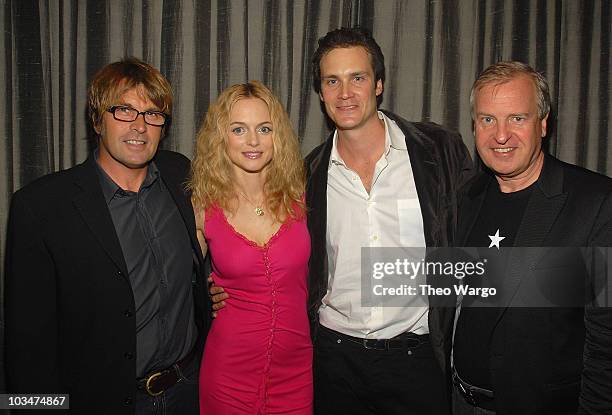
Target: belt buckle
x,y
148,384
375,341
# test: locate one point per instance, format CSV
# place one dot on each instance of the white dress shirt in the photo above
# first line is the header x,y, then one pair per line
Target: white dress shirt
x,y
389,216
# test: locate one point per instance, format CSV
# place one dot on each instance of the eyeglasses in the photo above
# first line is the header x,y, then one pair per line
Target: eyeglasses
x,y
128,114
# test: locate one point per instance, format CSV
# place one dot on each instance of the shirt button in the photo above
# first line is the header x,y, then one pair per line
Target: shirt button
x,y
127,401
375,237
119,274
128,313
128,355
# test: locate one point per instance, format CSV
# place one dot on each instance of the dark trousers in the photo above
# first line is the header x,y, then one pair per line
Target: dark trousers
x,y
461,407
180,399
350,379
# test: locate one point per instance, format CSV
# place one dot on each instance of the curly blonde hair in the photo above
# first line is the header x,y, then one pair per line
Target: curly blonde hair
x,y
211,179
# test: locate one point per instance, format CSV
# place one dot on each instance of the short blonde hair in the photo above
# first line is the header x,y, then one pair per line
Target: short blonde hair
x,y
502,72
211,170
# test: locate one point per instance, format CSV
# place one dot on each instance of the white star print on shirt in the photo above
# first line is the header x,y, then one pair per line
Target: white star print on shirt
x,y
495,239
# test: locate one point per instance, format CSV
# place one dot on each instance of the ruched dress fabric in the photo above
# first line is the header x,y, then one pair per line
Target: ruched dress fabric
x,y
258,354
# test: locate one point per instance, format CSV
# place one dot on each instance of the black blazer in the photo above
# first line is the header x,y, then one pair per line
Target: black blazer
x,y
70,324
440,164
540,357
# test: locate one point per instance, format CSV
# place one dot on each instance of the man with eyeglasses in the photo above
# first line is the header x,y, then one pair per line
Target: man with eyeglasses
x,y
104,275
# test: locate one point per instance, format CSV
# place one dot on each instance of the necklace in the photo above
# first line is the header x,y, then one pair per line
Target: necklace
x,y
258,208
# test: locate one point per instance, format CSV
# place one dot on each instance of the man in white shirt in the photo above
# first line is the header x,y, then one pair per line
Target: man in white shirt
x,y
378,181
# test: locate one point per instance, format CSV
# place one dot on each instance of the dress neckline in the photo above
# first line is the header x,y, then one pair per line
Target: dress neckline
x,y
249,241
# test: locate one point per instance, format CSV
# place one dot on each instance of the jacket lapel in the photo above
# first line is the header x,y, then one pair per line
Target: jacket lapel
x,y
316,200
90,204
543,208
425,170
471,205
424,165
316,190
185,208
176,188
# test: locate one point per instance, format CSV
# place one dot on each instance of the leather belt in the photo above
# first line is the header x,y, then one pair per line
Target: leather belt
x,y
406,340
158,382
475,396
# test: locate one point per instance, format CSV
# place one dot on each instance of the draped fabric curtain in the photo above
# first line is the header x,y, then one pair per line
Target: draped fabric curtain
x,y
433,50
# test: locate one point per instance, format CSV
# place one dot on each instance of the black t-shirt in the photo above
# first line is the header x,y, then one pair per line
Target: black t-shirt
x,y
501,215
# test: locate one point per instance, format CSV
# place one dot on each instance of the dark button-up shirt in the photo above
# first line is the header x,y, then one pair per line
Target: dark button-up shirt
x,y
158,255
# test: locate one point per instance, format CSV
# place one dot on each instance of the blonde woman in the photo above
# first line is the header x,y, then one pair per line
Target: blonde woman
x,y
248,185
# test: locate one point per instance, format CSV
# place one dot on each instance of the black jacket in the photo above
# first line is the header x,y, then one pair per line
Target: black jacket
x,y
542,360
70,320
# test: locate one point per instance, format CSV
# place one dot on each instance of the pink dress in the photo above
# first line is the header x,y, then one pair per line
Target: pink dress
x,y
258,354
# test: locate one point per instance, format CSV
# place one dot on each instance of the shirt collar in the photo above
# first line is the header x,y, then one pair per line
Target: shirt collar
x,y
334,157
110,188
394,138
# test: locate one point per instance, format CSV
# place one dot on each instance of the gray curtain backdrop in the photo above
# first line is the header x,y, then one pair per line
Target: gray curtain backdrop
x,y
433,49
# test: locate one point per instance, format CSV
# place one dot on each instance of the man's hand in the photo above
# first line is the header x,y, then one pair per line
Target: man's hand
x,y
217,295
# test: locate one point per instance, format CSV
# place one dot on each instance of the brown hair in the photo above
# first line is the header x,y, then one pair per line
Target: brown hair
x,y
113,80
344,38
211,171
